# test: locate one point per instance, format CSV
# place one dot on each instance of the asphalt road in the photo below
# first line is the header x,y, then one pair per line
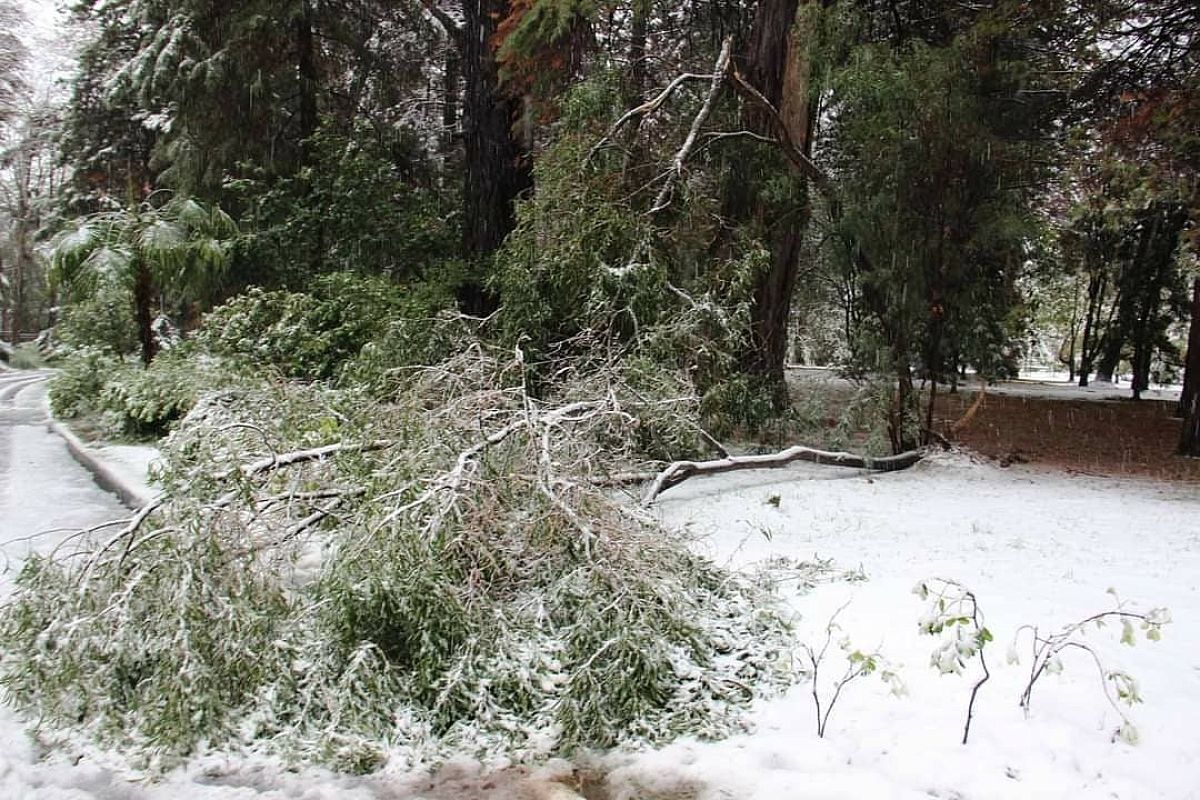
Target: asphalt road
x,y
44,495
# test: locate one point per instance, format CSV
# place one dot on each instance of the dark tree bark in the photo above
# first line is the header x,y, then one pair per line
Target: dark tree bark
x,y
776,63
451,71
1189,440
1189,399
637,49
497,163
143,298
1112,340
1097,284
306,64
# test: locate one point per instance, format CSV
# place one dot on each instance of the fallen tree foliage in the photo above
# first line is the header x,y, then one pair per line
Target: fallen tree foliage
x,y
437,573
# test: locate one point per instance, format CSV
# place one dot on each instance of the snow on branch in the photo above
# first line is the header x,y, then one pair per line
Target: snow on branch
x,y
680,471
655,103
453,27
714,91
476,571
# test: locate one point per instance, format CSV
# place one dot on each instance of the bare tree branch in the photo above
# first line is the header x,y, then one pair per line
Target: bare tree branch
x,y
783,139
301,456
648,107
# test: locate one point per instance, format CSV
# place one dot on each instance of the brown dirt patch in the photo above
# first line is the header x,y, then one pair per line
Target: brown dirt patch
x,y
1097,437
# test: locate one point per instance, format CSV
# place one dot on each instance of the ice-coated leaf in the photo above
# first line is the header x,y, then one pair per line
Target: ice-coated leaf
x,y
1128,734
110,263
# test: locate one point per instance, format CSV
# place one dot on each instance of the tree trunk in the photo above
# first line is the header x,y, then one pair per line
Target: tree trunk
x,y
306,65
1186,407
450,75
497,163
1110,355
1087,348
1189,440
777,64
902,409
637,50
143,297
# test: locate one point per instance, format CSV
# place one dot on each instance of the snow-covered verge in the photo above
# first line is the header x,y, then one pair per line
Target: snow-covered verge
x,y
123,469
1036,549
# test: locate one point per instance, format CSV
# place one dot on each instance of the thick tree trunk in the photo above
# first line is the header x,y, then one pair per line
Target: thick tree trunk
x,y
637,50
1110,355
497,163
1189,440
903,408
776,63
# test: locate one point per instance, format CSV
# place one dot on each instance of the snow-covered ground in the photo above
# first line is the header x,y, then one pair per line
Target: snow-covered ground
x,y
1036,548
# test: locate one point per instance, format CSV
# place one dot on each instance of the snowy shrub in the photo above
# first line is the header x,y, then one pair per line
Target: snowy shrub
x,y
101,321
422,333
954,615
129,400
304,335
75,388
858,665
143,402
342,580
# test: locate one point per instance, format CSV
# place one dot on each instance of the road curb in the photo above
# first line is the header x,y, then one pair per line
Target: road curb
x,y
106,478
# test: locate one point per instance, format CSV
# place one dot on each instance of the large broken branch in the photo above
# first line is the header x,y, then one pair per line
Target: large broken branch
x,y
966,418
649,107
680,471
714,91
302,456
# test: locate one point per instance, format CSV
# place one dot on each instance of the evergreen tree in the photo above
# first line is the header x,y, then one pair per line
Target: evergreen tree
x,y
180,248
936,152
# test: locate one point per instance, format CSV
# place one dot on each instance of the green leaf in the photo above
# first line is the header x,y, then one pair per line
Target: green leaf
x,y
162,236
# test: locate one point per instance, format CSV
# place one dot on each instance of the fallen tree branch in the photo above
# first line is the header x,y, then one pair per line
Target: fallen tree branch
x,y
302,456
714,91
128,531
680,471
